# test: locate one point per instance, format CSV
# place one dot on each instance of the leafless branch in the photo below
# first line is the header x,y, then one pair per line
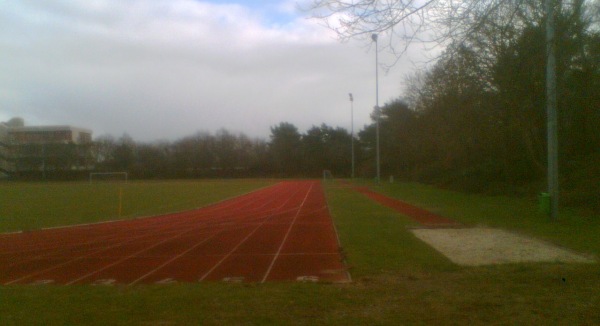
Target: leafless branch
x,y
402,23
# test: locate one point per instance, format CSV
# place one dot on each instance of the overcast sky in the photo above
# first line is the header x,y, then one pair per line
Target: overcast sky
x,y
165,69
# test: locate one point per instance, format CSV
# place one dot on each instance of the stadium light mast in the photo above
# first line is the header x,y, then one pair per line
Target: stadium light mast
x,y
352,131
374,38
551,110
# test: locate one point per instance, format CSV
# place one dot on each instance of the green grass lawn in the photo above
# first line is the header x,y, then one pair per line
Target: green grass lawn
x,y
396,279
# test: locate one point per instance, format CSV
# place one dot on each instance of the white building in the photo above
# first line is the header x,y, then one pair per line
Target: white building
x,y
42,148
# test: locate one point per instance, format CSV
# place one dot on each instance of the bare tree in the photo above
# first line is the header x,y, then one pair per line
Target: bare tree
x,y
430,22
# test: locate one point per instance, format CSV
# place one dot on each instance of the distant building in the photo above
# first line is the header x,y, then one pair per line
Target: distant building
x,y
43,149
49,134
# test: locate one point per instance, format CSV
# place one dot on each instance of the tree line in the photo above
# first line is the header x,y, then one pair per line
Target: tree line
x,y
288,153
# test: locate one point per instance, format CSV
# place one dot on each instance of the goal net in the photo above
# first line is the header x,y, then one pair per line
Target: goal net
x,y
108,177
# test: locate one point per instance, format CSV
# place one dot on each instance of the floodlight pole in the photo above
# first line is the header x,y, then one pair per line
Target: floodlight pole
x,y
352,131
552,127
374,38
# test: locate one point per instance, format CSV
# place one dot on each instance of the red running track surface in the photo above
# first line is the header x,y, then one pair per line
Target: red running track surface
x,y
425,218
280,233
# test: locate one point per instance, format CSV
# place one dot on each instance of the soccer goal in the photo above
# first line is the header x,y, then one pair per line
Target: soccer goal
x,y
108,177
327,176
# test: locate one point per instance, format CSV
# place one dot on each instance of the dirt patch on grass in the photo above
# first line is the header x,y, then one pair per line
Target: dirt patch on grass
x,y
486,246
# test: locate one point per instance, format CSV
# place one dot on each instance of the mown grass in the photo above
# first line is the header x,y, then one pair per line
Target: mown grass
x,y
396,280
31,206
377,238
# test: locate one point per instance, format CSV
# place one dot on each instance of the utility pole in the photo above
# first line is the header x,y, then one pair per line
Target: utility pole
x,y
552,133
352,130
377,113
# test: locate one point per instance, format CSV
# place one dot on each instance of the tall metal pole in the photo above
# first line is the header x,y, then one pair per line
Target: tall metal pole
x,y
551,110
352,130
374,37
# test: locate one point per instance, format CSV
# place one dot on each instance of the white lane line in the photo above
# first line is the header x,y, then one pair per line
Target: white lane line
x,y
221,204
234,279
286,235
53,267
246,199
12,232
232,250
42,282
308,278
55,251
165,281
247,237
175,258
148,231
130,256
59,227
78,258
155,245
105,281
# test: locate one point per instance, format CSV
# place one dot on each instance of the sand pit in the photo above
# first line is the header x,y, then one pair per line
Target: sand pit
x,y
486,246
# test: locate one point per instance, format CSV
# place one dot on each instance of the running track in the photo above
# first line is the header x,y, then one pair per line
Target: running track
x,y
280,233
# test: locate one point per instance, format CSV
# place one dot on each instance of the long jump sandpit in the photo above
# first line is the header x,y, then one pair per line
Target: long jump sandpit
x,y
280,233
487,246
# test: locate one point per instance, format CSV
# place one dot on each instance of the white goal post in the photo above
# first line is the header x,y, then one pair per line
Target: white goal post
x,y
327,175
108,177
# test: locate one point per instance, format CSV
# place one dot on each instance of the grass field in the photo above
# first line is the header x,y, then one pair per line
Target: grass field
x,y
397,278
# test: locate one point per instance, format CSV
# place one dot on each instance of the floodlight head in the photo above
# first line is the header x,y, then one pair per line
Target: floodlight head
x,y
374,37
